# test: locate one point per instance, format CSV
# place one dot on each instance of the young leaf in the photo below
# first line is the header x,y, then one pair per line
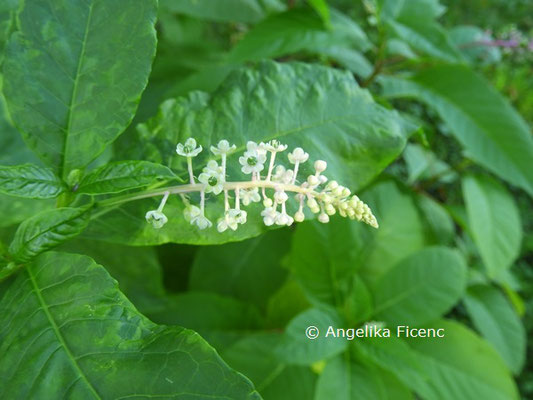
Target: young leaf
x,y
317,108
322,9
70,89
494,222
298,30
224,10
495,318
47,230
30,181
490,129
414,23
123,175
86,340
421,288
461,365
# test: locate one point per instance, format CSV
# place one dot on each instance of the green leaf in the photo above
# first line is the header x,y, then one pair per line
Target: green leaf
x,y
344,379
421,288
491,131
494,316
123,175
70,89
414,23
30,181
249,270
224,10
47,230
322,9
461,365
494,222
87,336
296,348
298,30
317,108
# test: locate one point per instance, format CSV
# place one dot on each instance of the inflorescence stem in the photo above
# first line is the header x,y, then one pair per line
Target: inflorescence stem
x,y
200,187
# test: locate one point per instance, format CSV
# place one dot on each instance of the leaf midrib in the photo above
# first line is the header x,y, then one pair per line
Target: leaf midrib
x,y
62,171
60,338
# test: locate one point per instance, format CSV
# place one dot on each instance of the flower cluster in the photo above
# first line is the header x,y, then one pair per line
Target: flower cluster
x,y
273,184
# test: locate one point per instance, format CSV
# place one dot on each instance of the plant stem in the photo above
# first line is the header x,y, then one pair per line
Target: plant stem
x,y
199,187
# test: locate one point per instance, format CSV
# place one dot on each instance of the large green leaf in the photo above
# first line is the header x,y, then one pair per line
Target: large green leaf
x,y
47,230
30,181
123,175
224,10
421,288
491,131
461,366
317,108
494,316
74,73
68,332
249,270
494,222
298,30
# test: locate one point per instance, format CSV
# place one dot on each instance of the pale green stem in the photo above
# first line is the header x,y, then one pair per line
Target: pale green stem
x,y
198,187
189,167
296,165
163,202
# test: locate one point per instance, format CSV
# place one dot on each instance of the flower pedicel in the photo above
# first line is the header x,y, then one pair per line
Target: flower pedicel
x,y
321,196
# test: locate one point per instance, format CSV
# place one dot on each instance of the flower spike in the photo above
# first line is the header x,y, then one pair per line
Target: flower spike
x,y
315,192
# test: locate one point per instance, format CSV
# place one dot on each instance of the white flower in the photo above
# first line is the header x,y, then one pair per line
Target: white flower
x,y
299,216
280,196
191,212
212,177
269,216
223,148
283,175
156,218
188,149
320,166
284,219
253,146
201,222
195,216
274,146
232,218
253,159
297,156
249,196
